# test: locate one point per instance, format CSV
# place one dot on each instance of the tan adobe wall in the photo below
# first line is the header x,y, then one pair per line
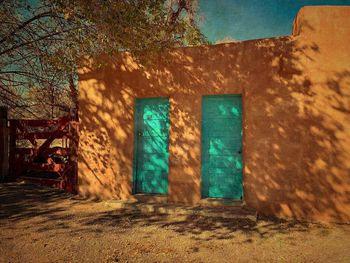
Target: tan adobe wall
x,y
296,103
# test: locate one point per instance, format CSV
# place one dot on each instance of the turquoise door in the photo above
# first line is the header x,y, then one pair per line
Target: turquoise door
x,y
151,146
222,147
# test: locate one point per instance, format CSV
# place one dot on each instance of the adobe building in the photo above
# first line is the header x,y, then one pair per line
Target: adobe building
x,y
265,121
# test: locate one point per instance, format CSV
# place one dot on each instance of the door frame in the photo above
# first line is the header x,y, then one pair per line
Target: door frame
x,y
136,143
241,95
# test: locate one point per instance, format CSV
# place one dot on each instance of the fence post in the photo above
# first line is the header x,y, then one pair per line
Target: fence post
x,y
4,145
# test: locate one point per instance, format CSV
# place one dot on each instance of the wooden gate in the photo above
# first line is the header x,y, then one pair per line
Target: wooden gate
x,y
44,152
4,143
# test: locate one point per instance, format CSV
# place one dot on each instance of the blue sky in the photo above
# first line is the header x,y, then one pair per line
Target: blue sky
x,y
251,19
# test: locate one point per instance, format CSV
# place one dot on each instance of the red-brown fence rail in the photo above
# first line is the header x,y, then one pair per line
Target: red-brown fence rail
x,y
4,144
44,152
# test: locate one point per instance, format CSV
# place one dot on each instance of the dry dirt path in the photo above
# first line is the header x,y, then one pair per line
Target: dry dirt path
x,y
45,225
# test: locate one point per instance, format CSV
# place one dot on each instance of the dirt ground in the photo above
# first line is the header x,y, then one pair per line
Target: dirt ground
x,y
45,225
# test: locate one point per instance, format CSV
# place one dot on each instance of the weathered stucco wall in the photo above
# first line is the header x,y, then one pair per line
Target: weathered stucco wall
x,y
296,103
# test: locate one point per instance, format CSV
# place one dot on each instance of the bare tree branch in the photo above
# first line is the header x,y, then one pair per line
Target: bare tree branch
x,y
24,24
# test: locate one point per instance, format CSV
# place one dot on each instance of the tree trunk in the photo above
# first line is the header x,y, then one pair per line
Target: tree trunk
x,y
74,96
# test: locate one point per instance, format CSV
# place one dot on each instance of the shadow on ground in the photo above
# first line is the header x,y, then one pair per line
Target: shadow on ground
x,y
45,209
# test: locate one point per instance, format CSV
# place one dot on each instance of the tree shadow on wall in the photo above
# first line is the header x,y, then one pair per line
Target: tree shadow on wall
x,y
296,125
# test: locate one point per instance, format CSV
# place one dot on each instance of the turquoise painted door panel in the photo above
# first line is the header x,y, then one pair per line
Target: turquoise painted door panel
x,y
222,147
151,146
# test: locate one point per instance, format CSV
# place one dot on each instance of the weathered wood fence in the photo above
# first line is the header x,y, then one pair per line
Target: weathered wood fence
x,y
4,145
40,151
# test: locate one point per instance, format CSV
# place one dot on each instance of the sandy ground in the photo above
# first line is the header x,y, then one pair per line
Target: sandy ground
x,y
45,225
